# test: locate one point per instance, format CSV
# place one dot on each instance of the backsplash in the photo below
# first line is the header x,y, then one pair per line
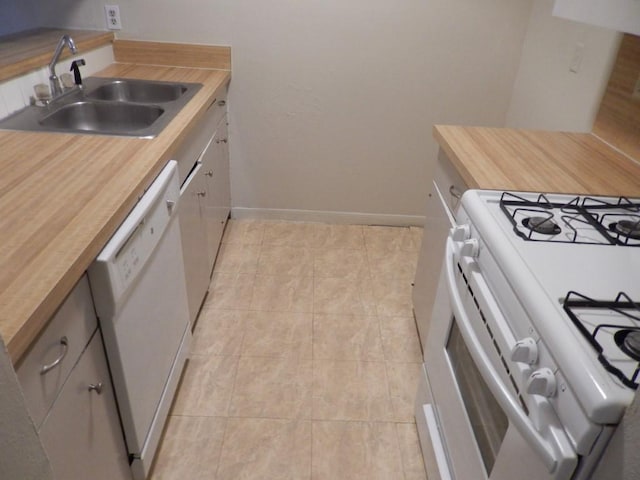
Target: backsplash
x,y
618,120
15,93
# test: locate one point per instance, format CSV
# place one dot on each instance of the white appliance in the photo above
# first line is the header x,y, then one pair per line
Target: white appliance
x,y
534,346
138,285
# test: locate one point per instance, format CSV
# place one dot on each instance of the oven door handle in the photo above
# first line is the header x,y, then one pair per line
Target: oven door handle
x,y
495,384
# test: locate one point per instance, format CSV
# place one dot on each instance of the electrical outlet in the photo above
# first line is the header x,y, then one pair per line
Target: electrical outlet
x,y
636,90
112,14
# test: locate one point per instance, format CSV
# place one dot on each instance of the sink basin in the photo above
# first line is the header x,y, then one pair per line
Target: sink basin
x,y
138,91
111,118
108,106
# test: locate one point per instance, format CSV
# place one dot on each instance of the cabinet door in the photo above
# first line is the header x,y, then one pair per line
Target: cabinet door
x,y
82,434
194,239
215,162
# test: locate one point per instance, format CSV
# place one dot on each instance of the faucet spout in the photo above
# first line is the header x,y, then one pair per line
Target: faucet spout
x,y
56,89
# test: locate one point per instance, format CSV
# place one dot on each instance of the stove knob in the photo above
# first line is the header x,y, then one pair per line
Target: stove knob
x,y
542,382
460,233
525,351
470,248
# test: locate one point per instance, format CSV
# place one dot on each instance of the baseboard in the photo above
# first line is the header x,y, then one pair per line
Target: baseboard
x,y
318,216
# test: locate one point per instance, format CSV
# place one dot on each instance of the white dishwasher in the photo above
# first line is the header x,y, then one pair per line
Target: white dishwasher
x,y
138,285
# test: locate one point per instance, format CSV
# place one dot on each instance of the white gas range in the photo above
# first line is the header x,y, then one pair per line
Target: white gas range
x,y
534,347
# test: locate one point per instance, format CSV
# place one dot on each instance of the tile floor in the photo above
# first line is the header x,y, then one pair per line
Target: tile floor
x,y
305,359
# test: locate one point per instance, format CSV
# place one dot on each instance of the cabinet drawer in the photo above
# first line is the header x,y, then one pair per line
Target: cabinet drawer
x,y
74,321
200,136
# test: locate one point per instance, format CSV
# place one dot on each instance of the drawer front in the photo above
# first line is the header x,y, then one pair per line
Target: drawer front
x,y
48,362
197,140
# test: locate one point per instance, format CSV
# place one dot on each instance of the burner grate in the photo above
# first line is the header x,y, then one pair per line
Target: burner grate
x,y
586,220
604,337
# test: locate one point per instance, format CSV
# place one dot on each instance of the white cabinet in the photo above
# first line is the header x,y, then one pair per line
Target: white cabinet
x,y
621,15
68,393
217,202
47,364
442,202
81,434
205,200
194,238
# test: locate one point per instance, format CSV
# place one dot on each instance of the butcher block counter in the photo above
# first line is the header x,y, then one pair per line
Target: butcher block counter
x,y
538,161
63,195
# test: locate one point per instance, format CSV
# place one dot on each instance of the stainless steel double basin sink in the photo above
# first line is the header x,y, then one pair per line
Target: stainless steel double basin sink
x,y
108,106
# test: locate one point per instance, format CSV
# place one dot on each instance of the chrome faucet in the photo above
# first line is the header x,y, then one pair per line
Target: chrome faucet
x,y
54,82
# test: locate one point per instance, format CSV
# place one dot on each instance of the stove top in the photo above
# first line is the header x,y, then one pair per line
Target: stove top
x,y
566,219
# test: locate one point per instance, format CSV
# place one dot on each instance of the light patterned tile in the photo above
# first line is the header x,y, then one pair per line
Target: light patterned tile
x,y
279,293
190,448
343,296
285,260
340,263
355,451
244,232
219,332
396,264
229,291
288,233
263,449
237,258
389,239
272,388
348,390
400,339
393,296
409,443
346,337
403,384
206,386
278,334
338,236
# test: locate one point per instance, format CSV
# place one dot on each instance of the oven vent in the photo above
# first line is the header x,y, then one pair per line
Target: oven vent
x,y
495,344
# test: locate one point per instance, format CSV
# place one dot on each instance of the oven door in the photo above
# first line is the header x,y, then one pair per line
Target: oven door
x,y
487,427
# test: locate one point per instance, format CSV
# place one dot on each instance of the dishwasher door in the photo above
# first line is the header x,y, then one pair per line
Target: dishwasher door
x,y
138,284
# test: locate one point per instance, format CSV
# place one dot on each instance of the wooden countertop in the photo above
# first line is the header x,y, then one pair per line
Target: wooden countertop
x,y
539,161
62,196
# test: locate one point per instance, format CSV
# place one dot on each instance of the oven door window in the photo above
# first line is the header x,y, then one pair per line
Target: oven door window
x,y
488,421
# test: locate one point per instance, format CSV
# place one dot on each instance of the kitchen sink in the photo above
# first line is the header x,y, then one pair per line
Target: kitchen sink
x,y
107,106
109,118
139,91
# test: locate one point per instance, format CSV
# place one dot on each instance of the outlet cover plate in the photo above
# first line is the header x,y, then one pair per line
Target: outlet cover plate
x,y
112,15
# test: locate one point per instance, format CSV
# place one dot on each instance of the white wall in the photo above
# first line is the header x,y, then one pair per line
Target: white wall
x,y
546,94
17,15
332,102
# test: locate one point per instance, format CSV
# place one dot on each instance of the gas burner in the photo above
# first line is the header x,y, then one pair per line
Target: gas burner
x,y
586,220
626,228
629,342
613,330
543,225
